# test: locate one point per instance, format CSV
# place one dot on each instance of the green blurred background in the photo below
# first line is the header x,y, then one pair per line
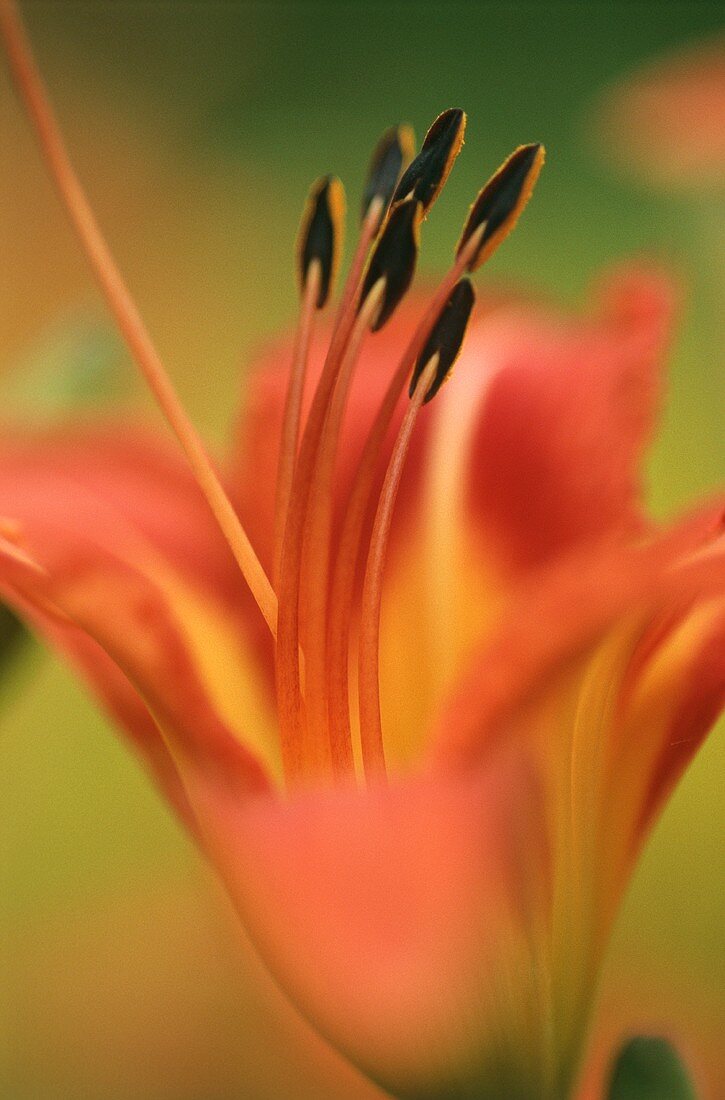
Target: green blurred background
x,y
197,127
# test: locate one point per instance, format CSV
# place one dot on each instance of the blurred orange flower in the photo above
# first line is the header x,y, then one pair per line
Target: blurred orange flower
x,y
666,122
427,843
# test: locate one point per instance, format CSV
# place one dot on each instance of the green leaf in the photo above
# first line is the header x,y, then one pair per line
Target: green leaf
x,y
649,1068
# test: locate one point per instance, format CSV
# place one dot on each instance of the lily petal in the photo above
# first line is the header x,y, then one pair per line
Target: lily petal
x,y
565,676
400,922
569,410
529,455
140,603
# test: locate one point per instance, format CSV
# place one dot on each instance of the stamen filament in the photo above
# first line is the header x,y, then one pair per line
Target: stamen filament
x,y
317,543
293,410
289,565
32,92
348,551
368,231
307,755
288,577
371,730
337,396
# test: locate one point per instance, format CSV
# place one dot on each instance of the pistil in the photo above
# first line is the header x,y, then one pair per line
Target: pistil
x,y
124,309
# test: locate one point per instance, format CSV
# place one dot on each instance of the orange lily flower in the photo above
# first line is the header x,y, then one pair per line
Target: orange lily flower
x,y
666,122
427,797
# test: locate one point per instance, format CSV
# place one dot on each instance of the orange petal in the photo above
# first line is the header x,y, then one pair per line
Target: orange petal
x,y
565,676
559,613
667,121
402,923
128,555
143,478
569,410
529,454
671,697
117,606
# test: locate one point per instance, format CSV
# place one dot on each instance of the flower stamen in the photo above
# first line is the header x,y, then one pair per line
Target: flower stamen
x,y
371,729
360,309
358,502
499,205
394,258
388,276
293,408
290,555
391,156
316,550
425,178
306,753
430,372
319,249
